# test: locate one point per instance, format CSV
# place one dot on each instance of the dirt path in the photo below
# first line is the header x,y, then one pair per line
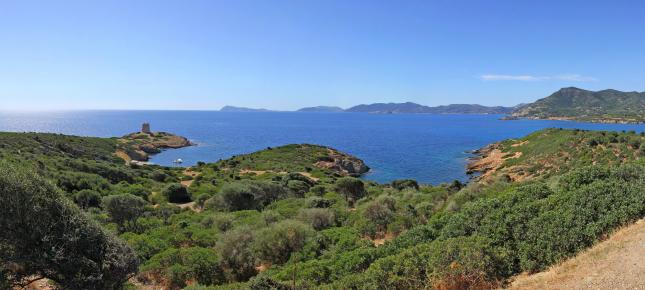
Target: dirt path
x,y
191,173
617,263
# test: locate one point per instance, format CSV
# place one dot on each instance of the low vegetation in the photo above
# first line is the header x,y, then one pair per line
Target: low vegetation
x,y
274,219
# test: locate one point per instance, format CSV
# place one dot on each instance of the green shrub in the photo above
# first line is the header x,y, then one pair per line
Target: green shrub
x,y
350,187
458,263
235,250
318,218
45,235
87,198
124,209
319,202
243,195
176,193
276,243
401,184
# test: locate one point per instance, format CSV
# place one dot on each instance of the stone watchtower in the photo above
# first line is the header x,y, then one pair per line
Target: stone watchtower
x,y
145,128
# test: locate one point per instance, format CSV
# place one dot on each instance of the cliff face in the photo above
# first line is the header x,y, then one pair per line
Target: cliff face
x,y
139,146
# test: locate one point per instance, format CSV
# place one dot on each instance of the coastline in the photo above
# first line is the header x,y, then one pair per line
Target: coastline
x,y
619,121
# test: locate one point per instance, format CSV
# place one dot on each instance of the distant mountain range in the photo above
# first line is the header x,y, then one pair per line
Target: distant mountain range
x,y
409,107
241,109
394,108
321,109
608,106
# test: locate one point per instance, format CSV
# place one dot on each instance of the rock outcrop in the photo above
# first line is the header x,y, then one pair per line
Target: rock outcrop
x,y
342,163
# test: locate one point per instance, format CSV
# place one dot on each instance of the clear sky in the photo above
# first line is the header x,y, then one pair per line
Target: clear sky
x,y
289,54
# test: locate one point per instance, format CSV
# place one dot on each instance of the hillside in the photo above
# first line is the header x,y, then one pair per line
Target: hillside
x,y
413,108
241,109
609,106
551,152
250,221
321,109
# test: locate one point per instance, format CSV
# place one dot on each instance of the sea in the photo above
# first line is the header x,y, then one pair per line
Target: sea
x,y
429,148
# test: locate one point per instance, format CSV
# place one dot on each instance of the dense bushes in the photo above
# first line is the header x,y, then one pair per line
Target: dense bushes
x,y
456,263
245,195
44,235
527,229
181,265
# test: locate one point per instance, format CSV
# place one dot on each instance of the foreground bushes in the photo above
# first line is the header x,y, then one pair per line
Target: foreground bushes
x,y
42,234
527,229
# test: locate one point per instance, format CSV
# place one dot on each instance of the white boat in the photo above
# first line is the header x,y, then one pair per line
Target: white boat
x,y
178,160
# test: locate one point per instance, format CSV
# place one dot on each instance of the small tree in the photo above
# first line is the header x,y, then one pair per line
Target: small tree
x,y
380,214
276,243
124,209
350,187
238,261
318,218
176,193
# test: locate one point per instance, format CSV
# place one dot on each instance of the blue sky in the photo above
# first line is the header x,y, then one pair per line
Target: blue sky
x,y
290,54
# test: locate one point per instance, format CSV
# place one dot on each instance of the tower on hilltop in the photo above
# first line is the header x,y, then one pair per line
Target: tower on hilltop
x,y
145,128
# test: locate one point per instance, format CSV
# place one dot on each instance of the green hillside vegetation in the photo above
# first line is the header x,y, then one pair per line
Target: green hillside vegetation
x,y
272,219
610,106
548,153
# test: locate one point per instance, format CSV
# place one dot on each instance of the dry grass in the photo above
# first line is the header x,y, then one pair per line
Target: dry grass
x,y
616,263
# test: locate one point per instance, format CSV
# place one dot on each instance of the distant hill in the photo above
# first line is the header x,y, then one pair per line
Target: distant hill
x,y
470,109
609,106
321,109
409,107
241,109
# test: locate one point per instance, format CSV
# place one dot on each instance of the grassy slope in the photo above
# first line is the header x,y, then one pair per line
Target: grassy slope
x,y
553,151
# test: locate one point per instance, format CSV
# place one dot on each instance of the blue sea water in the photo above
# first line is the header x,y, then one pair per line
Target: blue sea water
x,y
428,148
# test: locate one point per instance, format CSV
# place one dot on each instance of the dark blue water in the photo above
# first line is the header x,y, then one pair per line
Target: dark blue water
x,y
429,148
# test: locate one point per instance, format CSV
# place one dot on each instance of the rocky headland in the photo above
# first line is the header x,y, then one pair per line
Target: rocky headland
x,y
140,146
342,163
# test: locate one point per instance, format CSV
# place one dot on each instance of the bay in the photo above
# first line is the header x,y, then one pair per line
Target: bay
x,y
428,148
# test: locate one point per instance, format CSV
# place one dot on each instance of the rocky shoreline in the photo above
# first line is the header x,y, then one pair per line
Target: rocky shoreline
x,y
479,164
